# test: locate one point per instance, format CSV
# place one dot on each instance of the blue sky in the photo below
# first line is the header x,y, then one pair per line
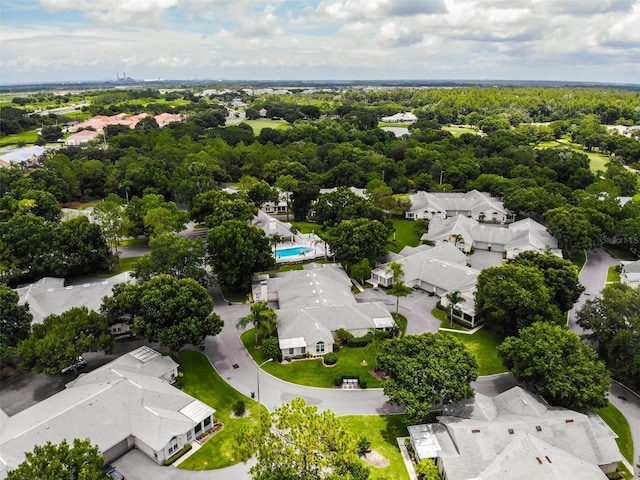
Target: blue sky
x,y
72,40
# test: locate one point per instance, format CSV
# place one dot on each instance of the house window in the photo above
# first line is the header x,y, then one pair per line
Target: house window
x,y
291,351
207,421
173,445
320,347
198,428
303,350
189,436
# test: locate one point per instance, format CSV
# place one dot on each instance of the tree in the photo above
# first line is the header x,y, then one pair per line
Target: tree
x,y
275,239
511,297
287,183
427,470
295,442
160,217
573,230
109,214
561,276
43,204
15,321
59,340
613,325
174,255
236,251
258,191
360,270
427,370
261,316
82,461
378,337
82,247
342,204
353,240
398,287
558,365
169,310
454,298
303,197
216,207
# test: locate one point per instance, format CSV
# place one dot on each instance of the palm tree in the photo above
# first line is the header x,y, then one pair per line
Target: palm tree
x,y
261,316
275,239
457,237
454,298
377,339
398,287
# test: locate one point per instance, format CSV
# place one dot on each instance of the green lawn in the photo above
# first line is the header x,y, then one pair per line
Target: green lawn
x,y
24,137
307,227
312,372
458,130
619,424
258,125
134,242
382,432
620,252
613,275
405,235
579,258
444,320
124,265
597,161
391,124
484,346
203,382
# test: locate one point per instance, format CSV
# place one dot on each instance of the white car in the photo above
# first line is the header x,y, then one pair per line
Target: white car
x,y
80,363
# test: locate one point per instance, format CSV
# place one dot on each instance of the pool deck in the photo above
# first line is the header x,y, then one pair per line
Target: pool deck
x,y
307,240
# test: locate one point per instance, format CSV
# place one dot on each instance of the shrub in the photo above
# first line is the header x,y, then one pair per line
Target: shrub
x,y
359,341
364,446
362,382
330,358
175,457
238,408
271,349
337,381
342,336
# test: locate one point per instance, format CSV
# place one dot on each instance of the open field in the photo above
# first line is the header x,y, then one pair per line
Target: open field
x,y
18,138
457,130
598,161
258,125
405,234
484,346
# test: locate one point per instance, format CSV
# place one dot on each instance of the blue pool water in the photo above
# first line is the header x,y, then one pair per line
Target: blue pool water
x,y
292,251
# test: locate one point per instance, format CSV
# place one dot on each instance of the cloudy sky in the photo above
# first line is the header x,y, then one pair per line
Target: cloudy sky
x,y
68,40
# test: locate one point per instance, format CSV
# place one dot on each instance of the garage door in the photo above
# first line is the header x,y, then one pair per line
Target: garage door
x,y
116,451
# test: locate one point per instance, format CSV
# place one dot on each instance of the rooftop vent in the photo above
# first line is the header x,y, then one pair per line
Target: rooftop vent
x,y
548,459
569,420
539,461
538,428
511,431
475,430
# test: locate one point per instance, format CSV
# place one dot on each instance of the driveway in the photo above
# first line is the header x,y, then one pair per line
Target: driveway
x,y
481,259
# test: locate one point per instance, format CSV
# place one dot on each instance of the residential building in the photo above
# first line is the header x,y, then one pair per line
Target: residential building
x,y
128,403
83,136
270,226
473,204
406,117
467,233
630,273
25,155
516,435
437,270
315,302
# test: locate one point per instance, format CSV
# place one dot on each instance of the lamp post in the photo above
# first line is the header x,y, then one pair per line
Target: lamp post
x,y
258,384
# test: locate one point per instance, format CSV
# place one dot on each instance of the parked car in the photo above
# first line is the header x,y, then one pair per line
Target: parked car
x,y
80,363
113,473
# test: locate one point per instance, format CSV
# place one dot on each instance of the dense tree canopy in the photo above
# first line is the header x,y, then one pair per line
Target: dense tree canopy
x,y
237,251
352,240
295,442
558,365
15,321
166,309
613,324
79,461
426,370
59,340
215,207
512,297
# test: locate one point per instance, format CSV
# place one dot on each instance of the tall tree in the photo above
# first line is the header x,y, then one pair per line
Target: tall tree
x,y
426,370
511,297
261,316
168,310
398,287
15,321
82,247
295,442
174,255
558,365
80,461
353,240
59,340
454,298
286,183
109,214
217,207
572,228
237,251
613,324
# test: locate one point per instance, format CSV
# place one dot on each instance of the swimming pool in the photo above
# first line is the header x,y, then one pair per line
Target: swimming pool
x,y
292,251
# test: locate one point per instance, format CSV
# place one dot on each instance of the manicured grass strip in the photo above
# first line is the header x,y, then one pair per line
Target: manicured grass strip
x,y
134,242
258,125
579,258
619,252
382,432
613,275
15,139
457,130
483,345
307,227
312,372
203,382
405,235
444,320
124,265
391,124
618,424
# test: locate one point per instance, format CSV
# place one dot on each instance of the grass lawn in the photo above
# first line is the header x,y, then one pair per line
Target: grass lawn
x,y
124,265
405,235
24,137
484,346
203,382
457,130
391,124
579,258
134,242
444,320
619,252
312,372
258,125
307,227
382,432
618,424
613,275
597,161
